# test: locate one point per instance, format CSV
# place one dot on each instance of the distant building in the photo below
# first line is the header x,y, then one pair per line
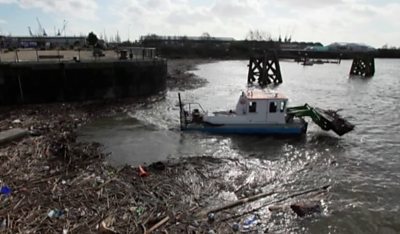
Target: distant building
x,y
1,41
299,45
42,42
180,41
349,47
319,48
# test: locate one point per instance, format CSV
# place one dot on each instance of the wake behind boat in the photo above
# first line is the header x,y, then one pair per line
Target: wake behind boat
x,y
260,112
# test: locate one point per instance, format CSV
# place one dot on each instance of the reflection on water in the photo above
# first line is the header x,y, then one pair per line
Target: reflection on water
x,y
363,166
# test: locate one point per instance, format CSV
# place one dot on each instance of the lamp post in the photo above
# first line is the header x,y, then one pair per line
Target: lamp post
x,y
129,33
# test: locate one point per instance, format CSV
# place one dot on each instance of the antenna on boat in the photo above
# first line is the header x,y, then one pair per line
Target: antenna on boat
x,y
180,110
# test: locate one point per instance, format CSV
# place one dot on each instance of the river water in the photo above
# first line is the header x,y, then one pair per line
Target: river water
x,y
362,166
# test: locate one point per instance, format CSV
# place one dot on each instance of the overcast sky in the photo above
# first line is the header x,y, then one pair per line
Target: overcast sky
x,y
373,22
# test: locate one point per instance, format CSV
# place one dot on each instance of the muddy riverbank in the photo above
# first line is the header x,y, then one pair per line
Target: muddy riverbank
x,y
180,79
59,185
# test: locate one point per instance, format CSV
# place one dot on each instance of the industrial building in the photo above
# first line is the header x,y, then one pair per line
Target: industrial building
x,y
42,42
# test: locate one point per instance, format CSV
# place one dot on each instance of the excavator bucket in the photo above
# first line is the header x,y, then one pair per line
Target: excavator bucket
x,y
335,122
326,119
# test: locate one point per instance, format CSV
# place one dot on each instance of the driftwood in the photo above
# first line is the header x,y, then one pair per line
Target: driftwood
x,y
256,197
319,190
236,203
157,225
12,135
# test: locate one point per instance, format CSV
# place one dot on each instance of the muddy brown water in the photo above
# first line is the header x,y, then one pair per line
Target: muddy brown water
x,y
363,166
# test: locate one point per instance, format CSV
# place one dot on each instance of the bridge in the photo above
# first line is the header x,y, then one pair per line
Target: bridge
x,y
296,54
265,69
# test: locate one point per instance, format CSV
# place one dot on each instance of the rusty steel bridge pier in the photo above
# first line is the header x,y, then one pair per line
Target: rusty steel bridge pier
x,y
264,68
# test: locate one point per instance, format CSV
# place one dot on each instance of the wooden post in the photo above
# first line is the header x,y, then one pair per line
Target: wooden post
x,y
264,68
21,92
363,66
16,55
62,88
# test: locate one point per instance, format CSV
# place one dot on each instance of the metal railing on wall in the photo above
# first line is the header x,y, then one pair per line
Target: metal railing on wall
x,y
35,55
136,53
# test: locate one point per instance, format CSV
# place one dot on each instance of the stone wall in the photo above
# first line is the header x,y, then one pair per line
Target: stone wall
x,y
39,82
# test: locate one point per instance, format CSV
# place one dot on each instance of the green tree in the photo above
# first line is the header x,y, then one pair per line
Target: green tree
x,y
92,39
205,36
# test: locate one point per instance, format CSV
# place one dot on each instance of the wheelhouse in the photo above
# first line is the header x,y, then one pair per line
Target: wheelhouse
x,y
262,106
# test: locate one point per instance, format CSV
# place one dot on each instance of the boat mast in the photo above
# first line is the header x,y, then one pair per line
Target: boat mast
x,y
180,111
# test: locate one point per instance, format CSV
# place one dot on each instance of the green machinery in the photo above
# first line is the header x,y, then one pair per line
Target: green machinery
x,y
326,119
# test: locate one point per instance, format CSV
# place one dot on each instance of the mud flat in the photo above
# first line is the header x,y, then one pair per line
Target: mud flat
x,y
179,76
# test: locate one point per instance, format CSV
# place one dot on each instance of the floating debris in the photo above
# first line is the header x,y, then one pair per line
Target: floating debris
x,y
250,222
303,209
56,213
5,190
142,172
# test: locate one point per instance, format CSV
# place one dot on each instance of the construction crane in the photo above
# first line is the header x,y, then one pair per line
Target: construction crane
x,y
30,31
62,30
42,31
64,27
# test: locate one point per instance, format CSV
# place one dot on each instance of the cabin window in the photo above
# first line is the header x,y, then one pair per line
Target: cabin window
x,y
282,107
272,107
252,107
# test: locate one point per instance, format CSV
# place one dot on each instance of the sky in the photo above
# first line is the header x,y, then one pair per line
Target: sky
x,y
372,22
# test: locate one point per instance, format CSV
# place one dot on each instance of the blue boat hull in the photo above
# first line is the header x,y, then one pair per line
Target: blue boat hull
x,y
256,129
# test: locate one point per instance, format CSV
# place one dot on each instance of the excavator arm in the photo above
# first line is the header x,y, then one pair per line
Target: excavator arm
x,y
326,119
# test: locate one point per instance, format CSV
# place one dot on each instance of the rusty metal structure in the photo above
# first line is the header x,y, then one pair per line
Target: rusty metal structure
x,y
363,66
265,69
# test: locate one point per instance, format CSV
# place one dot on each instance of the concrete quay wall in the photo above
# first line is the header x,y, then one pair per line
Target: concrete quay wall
x,y
41,82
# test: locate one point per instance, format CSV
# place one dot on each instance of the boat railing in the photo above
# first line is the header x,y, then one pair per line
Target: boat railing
x,y
186,114
194,106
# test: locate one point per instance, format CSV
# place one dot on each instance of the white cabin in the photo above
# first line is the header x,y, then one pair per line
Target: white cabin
x,y
255,106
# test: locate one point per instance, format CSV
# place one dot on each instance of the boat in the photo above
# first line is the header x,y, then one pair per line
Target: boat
x,y
307,62
260,112
318,61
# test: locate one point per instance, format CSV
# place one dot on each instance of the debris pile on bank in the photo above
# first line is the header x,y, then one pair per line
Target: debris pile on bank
x,y
58,185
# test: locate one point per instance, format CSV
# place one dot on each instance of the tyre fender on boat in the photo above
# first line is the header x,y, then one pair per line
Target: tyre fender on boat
x,y
241,105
